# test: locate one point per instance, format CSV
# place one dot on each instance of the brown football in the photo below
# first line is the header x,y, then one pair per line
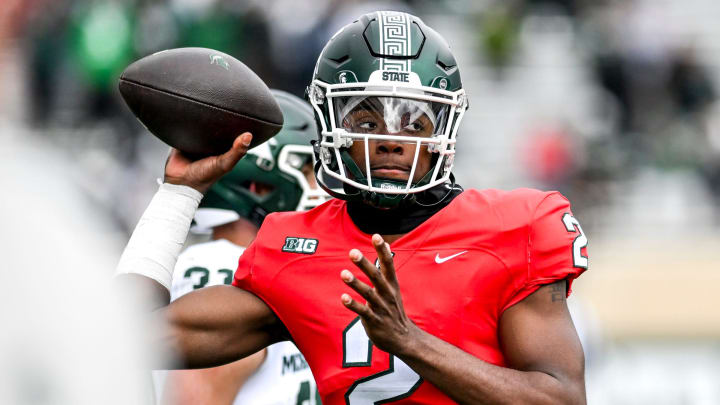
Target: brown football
x,y
199,100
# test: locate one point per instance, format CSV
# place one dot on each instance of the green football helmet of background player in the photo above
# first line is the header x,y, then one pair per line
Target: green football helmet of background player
x,y
271,177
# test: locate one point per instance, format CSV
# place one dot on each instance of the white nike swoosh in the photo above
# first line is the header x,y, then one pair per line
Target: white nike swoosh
x,y
439,259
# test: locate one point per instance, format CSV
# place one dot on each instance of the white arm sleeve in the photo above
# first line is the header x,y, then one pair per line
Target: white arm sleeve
x,y
160,234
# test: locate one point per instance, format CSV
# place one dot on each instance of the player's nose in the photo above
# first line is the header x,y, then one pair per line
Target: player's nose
x,y
390,146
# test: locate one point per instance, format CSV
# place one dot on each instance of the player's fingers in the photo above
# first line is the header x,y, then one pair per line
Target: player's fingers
x,y
376,277
363,289
368,268
387,266
239,148
363,310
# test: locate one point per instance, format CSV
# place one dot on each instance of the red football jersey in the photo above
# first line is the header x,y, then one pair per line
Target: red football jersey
x,y
458,272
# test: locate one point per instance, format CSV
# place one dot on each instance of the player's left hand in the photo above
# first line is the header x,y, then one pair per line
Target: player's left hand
x,y
383,314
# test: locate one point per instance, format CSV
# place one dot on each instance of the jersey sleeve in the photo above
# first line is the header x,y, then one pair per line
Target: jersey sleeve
x,y
244,274
556,247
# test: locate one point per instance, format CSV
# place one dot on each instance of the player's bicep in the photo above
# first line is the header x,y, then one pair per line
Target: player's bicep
x,y
537,334
220,324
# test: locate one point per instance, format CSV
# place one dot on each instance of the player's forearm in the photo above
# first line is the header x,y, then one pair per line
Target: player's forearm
x,y
217,325
146,265
469,380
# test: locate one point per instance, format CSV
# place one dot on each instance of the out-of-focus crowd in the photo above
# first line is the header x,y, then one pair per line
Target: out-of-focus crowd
x,y
650,72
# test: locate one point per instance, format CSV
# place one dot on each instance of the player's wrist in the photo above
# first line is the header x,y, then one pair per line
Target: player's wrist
x,y
189,180
198,187
412,343
161,233
199,175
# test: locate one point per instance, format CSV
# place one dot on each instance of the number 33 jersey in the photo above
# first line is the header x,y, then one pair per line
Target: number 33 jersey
x,y
458,272
203,265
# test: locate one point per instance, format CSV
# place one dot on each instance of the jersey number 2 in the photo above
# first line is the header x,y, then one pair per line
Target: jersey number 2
x,y
573,225
397,382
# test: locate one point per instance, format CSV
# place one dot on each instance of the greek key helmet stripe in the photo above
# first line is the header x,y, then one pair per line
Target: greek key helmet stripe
x,y
394,39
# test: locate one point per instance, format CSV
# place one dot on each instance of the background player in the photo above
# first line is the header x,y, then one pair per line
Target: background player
x,y
276,176
475,312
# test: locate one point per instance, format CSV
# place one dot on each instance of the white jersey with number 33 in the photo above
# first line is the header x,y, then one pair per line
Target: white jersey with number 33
x,y
203,265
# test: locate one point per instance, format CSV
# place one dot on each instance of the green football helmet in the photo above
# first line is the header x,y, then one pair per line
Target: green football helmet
x,y
275,166
392,66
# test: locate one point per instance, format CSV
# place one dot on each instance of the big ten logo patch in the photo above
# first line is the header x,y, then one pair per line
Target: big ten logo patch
x,y
300,245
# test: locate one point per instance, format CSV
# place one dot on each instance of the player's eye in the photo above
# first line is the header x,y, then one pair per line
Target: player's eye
x,y
416,126
361,121
367,126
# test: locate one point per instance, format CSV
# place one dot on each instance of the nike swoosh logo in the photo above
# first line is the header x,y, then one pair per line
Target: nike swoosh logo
x,y
439,259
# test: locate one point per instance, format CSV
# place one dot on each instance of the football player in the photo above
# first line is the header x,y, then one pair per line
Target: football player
x,y
275,176
405,289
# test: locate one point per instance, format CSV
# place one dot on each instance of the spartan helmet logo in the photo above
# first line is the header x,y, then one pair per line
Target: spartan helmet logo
x,y
342,77
219,60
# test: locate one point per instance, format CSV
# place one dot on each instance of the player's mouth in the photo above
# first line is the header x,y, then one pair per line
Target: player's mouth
x,y
390,171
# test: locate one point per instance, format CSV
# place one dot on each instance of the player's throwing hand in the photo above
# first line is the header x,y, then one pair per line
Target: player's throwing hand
x,y
201,174
383,315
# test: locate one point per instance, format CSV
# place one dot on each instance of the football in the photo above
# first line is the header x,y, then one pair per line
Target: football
x,y
199,100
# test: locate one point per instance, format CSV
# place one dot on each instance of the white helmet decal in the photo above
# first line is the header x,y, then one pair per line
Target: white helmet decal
x,y
395,40
263,154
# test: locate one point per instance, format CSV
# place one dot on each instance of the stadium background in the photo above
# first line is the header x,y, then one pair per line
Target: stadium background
x,y
614,103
